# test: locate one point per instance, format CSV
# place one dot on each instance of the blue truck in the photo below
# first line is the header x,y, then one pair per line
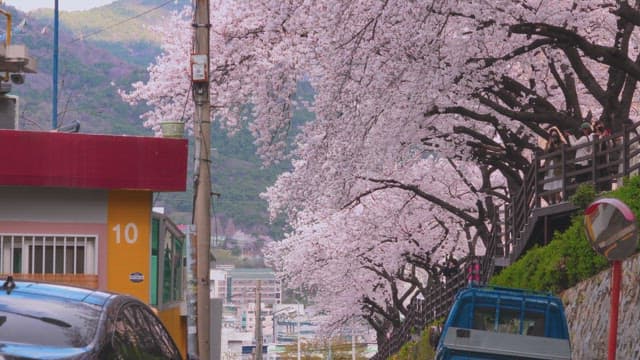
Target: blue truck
x,y
502,323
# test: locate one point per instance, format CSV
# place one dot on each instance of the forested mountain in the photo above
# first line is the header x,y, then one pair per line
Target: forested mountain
x,y
108,48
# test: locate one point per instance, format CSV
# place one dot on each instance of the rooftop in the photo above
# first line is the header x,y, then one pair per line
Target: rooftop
x,y
72,160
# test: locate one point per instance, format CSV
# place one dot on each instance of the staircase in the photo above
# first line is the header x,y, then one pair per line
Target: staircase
x,y
528,212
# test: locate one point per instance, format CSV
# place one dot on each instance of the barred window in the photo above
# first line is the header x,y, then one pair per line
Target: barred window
x,y
48,254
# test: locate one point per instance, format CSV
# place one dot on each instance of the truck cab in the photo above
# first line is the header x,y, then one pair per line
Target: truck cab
x,y
503,323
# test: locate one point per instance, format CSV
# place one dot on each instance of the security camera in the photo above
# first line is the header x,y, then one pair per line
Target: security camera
x,y
17,79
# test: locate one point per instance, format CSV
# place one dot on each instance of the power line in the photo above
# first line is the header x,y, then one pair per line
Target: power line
x,y
82,37
120,22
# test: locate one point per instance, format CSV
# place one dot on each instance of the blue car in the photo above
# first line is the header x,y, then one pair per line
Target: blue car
x,y
46,321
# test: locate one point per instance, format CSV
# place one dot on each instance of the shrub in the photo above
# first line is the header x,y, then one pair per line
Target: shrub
x,y
585,194
568,258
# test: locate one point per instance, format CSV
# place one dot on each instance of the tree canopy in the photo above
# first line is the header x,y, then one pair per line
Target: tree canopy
x,y
426,117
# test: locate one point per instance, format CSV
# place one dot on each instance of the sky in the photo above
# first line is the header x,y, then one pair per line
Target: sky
x,y
64,5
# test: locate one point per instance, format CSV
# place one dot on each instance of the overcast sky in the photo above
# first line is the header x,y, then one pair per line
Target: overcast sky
x,y
65,5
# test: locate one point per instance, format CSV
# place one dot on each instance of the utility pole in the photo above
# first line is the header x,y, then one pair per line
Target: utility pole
x,y
202,176
298,326
54,100
258,332
298,313
353,343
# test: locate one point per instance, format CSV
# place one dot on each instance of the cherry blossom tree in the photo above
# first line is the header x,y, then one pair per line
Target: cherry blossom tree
x,y
488,64
426,116
498,95
385,246
167,91
497,66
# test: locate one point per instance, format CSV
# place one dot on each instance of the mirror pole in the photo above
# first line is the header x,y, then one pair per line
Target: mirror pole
x,y
615,301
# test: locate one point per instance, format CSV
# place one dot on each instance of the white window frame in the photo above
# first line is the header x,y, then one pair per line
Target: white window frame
x,y
9,242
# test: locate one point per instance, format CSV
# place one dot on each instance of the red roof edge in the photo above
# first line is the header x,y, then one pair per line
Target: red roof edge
x,y
72,160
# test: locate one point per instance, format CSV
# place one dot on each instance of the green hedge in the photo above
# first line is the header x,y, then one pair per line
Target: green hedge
x,y
568,258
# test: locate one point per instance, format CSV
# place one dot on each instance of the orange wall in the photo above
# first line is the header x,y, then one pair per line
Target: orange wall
x,y
128,242
177,327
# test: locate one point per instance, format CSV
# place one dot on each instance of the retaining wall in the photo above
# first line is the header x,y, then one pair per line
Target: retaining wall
x,y
587,306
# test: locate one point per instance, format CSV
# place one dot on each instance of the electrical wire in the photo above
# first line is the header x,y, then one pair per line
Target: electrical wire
x,y
82,37
120,22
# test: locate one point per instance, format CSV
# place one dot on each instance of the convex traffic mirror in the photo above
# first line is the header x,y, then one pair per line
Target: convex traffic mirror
x,y
611,228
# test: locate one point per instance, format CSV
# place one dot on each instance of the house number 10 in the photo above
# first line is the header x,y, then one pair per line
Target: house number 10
x,y
130,233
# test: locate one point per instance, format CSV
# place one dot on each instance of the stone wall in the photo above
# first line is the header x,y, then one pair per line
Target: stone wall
x,y
587,306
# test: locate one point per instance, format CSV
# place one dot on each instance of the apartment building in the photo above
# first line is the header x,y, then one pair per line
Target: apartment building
x,y
243,282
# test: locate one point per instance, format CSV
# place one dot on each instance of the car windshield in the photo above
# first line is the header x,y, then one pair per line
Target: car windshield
x,y
46,322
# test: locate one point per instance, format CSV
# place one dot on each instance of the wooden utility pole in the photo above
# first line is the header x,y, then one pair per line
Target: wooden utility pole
x,y
202,176
54,100
258,332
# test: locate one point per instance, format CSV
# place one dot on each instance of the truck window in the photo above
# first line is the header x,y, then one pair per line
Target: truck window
x,y
533,323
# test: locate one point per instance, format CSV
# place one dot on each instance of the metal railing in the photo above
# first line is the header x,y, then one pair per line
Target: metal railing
x,y
606,165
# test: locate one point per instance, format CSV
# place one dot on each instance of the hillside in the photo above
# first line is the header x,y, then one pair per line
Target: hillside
x,y
110,47
91,67
121,22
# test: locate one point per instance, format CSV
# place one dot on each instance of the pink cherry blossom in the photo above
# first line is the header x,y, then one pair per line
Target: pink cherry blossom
x,y
426,116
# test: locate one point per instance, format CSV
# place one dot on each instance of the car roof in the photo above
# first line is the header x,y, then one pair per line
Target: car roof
x,y
58,292
497,292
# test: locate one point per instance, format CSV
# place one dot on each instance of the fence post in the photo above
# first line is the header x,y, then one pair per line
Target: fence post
x,y
563,171
536,168
594,163
625,150
507,231
513,229
525,201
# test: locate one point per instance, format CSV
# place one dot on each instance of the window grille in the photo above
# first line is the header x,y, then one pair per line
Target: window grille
x,y
48,254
